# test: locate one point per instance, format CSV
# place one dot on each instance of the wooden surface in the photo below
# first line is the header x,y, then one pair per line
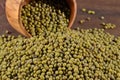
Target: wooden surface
x,y
109,9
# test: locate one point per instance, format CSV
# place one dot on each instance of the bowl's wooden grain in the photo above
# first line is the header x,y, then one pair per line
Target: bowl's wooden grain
x,y
13,7
73,7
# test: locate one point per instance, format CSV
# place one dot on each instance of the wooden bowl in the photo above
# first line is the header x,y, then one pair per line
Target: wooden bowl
x,y
13,9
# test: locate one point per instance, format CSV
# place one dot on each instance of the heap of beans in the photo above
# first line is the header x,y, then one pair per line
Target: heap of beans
x,y
41,15
61,54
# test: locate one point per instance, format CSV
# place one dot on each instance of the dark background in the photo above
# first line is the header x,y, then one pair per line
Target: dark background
x,y
109,9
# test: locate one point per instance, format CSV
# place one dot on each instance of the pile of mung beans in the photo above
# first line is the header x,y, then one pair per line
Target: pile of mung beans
x,y
41,15
61,54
